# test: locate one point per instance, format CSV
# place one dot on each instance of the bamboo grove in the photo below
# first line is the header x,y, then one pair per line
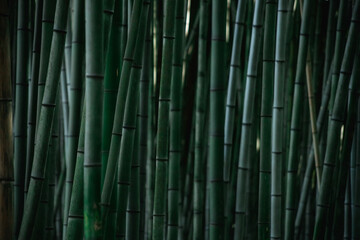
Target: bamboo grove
x,y
179,119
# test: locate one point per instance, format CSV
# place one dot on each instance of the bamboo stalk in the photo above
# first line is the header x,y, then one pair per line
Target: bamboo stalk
x,y
75,99
31,114
335,125
349,131
53,151
277,157
150,159
20,118
310,161
6,128
93,227
110,176
162,158
75,227
46,40
247,122
45,121
312,110
234,75
111,83
266,118
175,151
126,155
295,129
198,194
216,121
143,119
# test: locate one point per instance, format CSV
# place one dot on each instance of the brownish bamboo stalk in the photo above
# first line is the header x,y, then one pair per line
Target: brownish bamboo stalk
x,y
6,145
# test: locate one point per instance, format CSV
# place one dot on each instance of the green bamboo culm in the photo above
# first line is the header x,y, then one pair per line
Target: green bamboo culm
x,y
31,114
93,119
335,124
129,229
112,163
310,163
295,133
133,133
45,120
111,84
347,146
173,192
265,121
6,127
341,27
75,99
356,211
68,61
108,12
199,183
20,118
75,224
234,77
39,229
277,122
162,158
143,119
216,119
150,157
248,119
54,150
46,40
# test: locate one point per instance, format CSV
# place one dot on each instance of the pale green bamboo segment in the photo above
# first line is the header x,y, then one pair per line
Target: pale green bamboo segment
x,y
150,158
162,158
200,105
277,157
314,132
295,129
93,119
173,190
248,119
67,55
75,229
31,113
112,164
143,118
75,100
265,119
20,110
335,124
46,118
6,128
126,155
64,104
